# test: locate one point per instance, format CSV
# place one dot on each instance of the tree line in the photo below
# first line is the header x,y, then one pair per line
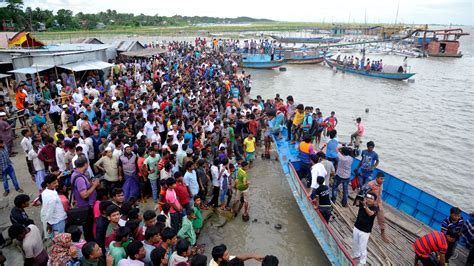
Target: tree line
x,y
19,18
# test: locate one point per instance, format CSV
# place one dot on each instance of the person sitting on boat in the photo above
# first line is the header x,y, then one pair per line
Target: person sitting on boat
x,y
373,66
376,186
368,66
434,242
380,66
454,222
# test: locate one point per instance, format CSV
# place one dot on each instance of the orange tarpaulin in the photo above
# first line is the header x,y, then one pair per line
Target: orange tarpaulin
x,y
20,39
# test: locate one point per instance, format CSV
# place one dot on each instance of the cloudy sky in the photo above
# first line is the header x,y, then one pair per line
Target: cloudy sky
x,y
410,11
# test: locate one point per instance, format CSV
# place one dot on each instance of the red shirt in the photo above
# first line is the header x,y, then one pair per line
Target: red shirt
x,y
432,242
253,127
182,193
162,163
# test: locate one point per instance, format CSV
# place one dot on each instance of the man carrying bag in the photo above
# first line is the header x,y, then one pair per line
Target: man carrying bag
x,y
84,194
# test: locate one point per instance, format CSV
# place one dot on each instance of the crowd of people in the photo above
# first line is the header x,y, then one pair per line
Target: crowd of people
x,y
178,130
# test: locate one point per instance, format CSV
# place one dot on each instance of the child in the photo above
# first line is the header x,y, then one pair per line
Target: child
x,y
187,229
166,212
116,249
113,215
183,251
77,242
18,214
197,223
152,240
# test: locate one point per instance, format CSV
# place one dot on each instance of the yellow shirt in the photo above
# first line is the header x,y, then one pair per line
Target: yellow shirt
x,y
249,145
298,119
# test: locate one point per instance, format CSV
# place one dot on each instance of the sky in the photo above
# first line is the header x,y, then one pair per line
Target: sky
x,y
376,11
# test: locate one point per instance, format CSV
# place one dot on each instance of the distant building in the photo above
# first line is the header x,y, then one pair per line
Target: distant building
x,y
128,46
90,41
100,25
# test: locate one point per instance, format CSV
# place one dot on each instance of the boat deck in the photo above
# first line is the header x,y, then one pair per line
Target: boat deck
x,y
401,229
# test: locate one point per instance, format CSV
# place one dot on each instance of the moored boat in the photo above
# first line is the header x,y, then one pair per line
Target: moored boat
x,y
260,61
399,75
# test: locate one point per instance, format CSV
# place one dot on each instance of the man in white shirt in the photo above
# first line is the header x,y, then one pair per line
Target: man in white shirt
x,y
52,210
27,147
60,155
77,97
317,169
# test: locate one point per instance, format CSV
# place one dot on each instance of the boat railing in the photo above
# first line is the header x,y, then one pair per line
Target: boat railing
x,y
338,255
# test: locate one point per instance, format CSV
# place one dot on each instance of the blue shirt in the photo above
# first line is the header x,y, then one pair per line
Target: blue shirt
x,y
308,120
189,136
90,115
368,161
190,179
447,224
331,150
278,121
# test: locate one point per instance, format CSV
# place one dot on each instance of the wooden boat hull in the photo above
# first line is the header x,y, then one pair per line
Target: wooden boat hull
x,y
263,65
446,55
305,60
373,74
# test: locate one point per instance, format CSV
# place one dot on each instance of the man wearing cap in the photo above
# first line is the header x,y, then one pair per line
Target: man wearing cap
x,y
6,133
363,226
128,170
108,164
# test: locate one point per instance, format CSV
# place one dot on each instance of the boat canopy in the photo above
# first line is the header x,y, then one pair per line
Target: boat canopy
x,y
392,69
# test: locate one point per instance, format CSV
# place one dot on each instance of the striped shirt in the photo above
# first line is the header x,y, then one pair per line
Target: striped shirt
x,y
447,224
433,242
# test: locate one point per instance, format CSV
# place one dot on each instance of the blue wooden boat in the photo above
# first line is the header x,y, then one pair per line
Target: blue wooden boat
x,y
375,74
260,61
407,202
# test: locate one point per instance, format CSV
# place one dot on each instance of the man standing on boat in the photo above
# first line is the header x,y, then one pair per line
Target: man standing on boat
x,y
376,187
363,226
369,161
454,223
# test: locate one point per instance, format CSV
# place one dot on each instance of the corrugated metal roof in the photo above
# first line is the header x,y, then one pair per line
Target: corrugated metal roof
x,y
125,46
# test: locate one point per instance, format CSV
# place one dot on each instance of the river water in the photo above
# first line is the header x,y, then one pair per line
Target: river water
x,y
423,131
